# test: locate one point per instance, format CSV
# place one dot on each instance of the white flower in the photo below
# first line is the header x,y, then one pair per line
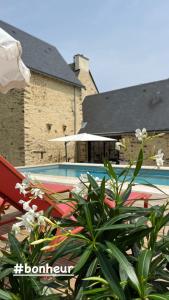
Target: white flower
x,y
37,193
30,218
118,146
159,158
21,188
25,204
16,228
28,178
141,134
26,183
41,220
21,201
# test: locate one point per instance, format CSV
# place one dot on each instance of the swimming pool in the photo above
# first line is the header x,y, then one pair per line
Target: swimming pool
x,y
153,176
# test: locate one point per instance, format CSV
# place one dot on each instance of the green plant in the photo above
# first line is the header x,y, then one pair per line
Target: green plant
x,y
21,252
121,251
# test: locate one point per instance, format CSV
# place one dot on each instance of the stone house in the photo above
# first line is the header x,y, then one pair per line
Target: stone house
x,y
50,106
119,113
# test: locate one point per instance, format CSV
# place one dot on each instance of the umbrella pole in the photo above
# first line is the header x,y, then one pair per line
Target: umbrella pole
x,y
66,151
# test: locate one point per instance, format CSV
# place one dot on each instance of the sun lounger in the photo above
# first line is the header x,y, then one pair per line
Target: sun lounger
x,y
9,176
133,197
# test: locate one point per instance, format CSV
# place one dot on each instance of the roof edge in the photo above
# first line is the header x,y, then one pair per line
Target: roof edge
x,y
129,87
124,132
54,77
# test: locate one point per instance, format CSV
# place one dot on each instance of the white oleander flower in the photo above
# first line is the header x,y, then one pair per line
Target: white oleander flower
x,y
141,135
37,193
16,228
27,180
30,218
118,146
25,204
21,188
41,220
159,158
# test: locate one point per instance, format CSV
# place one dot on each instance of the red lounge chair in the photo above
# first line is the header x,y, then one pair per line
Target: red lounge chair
x,y
9,176
133,197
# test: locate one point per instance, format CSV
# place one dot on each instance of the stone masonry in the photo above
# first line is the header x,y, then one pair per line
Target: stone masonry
x,y
150,149
12,126
52,108
46,109
133,147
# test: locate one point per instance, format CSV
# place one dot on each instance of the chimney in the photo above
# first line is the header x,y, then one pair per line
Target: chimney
x,y
81,62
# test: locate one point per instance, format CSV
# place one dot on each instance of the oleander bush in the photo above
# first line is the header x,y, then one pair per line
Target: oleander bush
x,y
120,251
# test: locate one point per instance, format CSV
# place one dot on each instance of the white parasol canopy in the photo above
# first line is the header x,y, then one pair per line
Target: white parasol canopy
x,y
13,72
82,137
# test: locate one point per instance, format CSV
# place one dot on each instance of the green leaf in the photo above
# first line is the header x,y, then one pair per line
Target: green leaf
x,y
16,249
92,182
91,270
159,297
5,272
88,218
8,296
98,279
115,252
164,221
48,297
95,291
126,194
110,170
143,265
110,275
66,247
36,285
110,194
83,259
116,226
102,191
139,163
7,260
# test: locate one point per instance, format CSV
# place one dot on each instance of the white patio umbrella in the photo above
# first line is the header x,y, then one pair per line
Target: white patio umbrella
x,y
81,137
13,72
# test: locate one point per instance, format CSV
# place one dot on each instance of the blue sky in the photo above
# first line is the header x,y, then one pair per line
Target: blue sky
x,y
127,41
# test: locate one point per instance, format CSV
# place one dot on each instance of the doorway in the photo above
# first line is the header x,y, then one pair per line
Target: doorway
x,y
98,152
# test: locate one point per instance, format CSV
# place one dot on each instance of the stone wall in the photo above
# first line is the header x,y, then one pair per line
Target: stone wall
x,y
132,151
87,81
150,149
52,109
12,126
46,109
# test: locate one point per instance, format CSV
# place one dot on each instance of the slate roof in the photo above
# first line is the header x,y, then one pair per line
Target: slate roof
x,y
125,110
41,56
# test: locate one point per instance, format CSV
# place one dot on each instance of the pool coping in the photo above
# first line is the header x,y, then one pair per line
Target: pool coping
x,y
92,165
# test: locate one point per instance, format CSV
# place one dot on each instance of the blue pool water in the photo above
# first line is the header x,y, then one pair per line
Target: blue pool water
x,y
157,177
